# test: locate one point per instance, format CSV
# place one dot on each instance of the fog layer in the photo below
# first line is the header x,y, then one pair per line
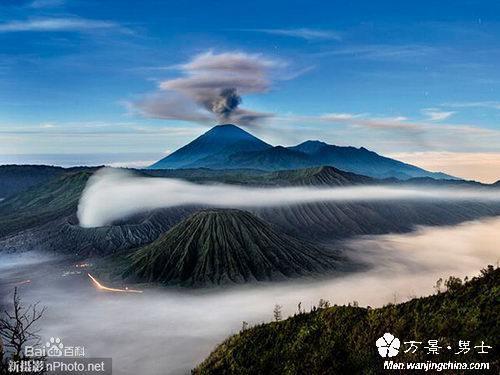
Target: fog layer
x,y
169,331
113,194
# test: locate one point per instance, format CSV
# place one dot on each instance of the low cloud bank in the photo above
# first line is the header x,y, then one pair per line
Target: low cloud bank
x,y
168,331
112,194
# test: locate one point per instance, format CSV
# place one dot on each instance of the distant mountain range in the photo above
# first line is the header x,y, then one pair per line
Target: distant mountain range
x,y
230,147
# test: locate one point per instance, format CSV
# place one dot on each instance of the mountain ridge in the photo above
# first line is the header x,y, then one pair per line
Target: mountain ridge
x,y
44,215
230,147
341,339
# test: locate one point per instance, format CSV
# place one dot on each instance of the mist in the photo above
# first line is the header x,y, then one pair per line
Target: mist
x,y
111,195
170,330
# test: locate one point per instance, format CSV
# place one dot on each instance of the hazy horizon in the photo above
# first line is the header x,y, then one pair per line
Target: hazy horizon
x,y
416,80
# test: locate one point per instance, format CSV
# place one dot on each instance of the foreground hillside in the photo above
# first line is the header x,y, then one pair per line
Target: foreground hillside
x,y
341,339
226,246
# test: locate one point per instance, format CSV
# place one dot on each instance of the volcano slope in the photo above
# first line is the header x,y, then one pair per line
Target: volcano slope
x,y
43,217
341,339
223,246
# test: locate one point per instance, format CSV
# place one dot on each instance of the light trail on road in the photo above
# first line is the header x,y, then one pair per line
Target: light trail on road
x,y
99,286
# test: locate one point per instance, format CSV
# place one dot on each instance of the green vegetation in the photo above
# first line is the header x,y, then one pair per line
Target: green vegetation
x,y
226,246
341,339
16,178
40,204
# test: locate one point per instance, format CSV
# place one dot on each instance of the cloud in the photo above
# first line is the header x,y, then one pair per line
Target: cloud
x,y
340,116
47,126
113,194
435,114
479,166
131,164
58,25
398,123
481,104
303,33
210,89
170,106
38,4
384,134
400,266
382,52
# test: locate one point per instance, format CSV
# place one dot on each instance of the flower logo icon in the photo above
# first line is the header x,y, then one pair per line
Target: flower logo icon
x,y
388,345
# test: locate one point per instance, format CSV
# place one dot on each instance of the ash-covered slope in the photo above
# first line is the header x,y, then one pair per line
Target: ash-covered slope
x,y
226,246
65,236
327,176
43,217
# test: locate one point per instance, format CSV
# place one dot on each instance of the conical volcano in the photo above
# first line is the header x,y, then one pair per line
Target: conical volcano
x,y
212,148
226,246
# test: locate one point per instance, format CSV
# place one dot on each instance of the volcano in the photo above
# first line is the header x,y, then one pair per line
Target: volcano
x,y
224,246
230,147
212,148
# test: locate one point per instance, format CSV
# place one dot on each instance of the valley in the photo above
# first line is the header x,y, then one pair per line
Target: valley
x,y
173,330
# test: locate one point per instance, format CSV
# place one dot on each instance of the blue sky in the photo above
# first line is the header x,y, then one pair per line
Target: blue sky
x,y
414,80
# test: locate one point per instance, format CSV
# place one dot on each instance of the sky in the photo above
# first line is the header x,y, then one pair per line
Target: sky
x,y
127,82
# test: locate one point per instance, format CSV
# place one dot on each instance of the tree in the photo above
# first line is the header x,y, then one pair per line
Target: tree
x,y
323,304
453,283
17,329
438,285
244,326
277,313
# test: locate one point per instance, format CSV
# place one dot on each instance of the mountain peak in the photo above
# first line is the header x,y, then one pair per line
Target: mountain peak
x,y
310,146
229,131
227,146
314,142
227,127
219,246
217,143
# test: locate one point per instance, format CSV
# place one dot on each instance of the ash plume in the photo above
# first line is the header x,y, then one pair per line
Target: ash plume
x,y
211,88
224,104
